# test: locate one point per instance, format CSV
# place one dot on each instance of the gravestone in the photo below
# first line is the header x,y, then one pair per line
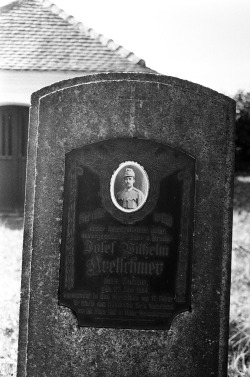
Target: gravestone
x,y
126,264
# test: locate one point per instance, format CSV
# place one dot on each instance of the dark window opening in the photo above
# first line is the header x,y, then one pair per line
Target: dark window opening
x,y
13,131
9,137
24,133
5,135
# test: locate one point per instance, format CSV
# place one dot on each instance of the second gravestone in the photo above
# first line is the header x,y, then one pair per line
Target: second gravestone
x,y
127,229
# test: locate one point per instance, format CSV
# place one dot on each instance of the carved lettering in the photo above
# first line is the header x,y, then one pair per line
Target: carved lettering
x,y
98,248
97,266
86,217
145,249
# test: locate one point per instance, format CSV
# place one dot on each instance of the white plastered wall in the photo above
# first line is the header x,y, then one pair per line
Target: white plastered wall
x,y
16,87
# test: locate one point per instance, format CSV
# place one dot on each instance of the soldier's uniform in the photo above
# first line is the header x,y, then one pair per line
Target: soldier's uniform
x,y
130,198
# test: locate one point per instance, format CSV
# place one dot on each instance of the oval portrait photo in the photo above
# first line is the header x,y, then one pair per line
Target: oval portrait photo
x,y
129,186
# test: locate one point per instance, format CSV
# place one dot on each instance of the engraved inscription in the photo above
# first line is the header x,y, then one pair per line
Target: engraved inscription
x,y
127,268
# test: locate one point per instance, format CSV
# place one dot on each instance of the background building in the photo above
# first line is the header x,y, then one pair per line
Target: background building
x,y
39,45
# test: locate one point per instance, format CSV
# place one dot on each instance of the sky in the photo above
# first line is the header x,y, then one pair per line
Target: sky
x,y
203,41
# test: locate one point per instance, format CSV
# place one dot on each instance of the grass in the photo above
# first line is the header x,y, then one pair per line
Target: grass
x,y
10,282
239,340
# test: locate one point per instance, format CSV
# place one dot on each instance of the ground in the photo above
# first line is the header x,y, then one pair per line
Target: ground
x,y
11,233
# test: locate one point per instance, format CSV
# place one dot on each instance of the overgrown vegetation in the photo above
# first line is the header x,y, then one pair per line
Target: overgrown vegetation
x,y
239,338
11,234
239,342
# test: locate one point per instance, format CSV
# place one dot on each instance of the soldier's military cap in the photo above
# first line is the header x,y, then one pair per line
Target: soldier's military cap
x,y
129,173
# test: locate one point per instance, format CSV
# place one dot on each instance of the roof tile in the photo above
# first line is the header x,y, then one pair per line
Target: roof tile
x,y
37,35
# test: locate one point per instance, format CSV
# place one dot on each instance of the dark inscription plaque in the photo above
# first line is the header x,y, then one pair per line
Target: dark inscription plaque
x,y
127,268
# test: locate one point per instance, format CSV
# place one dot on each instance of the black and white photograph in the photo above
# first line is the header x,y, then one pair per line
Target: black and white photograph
x,y
129,186
124,188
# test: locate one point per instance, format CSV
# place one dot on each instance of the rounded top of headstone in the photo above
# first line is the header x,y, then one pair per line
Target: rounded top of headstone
x,y
132,77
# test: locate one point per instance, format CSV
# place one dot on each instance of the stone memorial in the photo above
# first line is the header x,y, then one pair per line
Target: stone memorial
x,y
127,242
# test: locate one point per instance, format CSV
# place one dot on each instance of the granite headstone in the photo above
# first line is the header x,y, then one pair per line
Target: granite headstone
x,y
126,264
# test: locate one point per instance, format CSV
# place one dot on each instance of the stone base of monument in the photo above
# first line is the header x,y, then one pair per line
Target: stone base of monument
x,y
126,264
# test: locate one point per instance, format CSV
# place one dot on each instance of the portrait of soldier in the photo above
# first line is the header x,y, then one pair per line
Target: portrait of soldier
x,y
130,197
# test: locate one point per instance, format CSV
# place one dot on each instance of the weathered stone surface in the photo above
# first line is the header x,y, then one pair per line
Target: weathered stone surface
x,y
81,111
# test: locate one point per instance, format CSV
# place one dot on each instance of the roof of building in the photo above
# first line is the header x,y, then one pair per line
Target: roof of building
x,y
37,35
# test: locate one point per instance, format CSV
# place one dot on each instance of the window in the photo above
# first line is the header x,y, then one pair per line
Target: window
x,y
13,131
